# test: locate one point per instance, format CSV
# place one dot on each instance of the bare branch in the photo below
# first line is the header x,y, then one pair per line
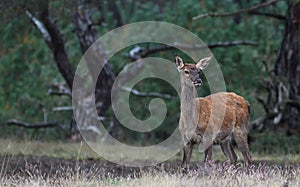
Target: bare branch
x,y
258,123
68,108
255,7
62,108
260,100
147,94
231,44
146,52
276,16
92,128
267,68
33,125
295,103
59,93
54,40
155,50
40,26
60,90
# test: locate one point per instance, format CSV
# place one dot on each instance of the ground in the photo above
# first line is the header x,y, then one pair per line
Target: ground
x,y
38,168
74,164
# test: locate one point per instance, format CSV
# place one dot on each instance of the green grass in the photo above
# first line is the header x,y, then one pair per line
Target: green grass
x,y
80,150
59,149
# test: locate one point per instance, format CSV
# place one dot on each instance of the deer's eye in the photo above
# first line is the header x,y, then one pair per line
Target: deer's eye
x,y
186,72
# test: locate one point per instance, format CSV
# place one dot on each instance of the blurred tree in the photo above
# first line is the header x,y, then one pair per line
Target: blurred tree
x,y
86,35
283,82
40,13
283,103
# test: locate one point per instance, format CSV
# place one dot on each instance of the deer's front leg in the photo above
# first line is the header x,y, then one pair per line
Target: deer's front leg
x,y
208,154
187,153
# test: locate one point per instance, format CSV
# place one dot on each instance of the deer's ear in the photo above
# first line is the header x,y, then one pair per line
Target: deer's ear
x,y
203,63
178,62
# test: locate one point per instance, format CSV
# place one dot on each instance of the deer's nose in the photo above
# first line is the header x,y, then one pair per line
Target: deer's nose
x,y
198,82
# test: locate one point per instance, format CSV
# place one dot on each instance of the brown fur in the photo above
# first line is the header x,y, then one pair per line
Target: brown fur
x,y
234,125
223,114
236,113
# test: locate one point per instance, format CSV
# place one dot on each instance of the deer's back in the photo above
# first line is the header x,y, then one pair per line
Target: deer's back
x,y
224,111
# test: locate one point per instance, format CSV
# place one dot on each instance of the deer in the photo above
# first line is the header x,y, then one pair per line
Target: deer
x,y
200,115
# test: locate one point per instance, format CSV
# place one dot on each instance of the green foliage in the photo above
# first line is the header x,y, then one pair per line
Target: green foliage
x,y
275,143
28,69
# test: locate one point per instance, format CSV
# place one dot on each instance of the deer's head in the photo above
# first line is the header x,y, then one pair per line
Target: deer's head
x,y
191,71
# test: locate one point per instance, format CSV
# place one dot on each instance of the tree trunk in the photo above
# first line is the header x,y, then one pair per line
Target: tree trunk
x,y
283,103
56,44
87,35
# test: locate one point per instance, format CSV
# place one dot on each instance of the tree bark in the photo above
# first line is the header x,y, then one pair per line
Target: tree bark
x,y
284,83
288,66
57,46
87,35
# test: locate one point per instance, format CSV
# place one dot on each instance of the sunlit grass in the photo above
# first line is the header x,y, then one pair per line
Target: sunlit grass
x,y
215,175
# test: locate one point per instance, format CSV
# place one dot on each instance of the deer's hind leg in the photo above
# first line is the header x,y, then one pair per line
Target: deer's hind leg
x,y
241,139
228,151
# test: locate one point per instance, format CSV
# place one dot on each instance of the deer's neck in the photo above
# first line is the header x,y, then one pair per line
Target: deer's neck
x,y
188,106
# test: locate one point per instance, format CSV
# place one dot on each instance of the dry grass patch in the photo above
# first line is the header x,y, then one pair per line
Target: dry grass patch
x,y
217,174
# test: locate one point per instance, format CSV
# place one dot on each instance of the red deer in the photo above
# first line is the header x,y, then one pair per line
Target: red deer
x,y
231,123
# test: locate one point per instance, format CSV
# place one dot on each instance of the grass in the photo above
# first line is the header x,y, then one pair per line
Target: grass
x,y
80,150
284,171
59,149
207,176
216,177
